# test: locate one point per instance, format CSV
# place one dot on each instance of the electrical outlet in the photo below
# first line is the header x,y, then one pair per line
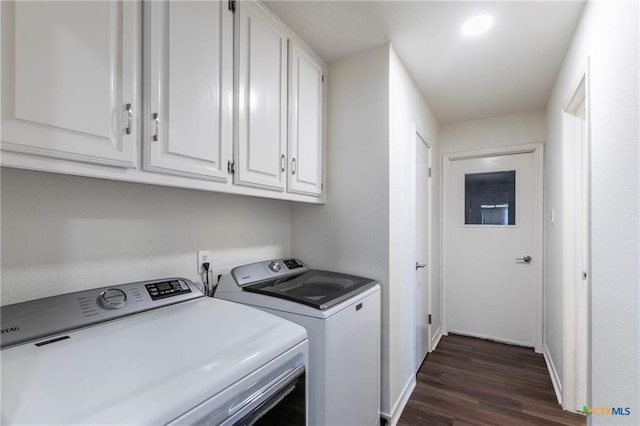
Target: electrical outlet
x,y
204,256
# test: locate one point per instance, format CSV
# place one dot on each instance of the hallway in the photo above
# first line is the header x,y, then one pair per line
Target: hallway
x,y
473,381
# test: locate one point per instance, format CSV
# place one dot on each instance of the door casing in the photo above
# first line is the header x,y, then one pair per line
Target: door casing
x,y
537,149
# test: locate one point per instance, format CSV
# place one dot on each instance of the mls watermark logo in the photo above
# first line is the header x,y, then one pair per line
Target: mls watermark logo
x,y
606,411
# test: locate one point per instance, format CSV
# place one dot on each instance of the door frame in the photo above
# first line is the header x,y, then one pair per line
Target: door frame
x,y
577,255
537,149
417,139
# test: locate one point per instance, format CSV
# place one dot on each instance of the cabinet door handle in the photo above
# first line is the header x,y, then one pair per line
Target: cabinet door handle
x,y
129,119
293,166
282,163
156,118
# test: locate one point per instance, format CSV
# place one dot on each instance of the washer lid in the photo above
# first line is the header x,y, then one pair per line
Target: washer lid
x,y
319,289
147,368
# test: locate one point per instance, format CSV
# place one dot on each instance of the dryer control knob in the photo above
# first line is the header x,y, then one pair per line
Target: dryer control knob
x,y
274,266
113,298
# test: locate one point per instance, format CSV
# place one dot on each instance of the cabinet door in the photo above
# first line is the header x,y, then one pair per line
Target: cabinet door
x,y
189,63
69,72
262,98
305,123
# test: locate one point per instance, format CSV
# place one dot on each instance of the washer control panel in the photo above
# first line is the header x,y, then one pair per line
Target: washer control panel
x,y
163,289
264,271
43,318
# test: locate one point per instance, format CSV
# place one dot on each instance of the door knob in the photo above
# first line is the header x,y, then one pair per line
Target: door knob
x,y
420,265
525,259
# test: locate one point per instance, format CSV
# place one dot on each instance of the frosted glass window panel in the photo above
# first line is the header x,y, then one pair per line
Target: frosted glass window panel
x,y
490,198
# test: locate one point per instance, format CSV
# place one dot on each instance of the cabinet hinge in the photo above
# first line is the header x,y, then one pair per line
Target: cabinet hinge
x,y
321,186
429,318
232,6
231,167
429,171
323,78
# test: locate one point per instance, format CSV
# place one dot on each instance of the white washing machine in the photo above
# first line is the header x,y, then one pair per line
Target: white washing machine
x,y
341,314
150,353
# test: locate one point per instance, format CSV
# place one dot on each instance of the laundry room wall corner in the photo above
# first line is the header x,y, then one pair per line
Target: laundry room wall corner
x,y
373,104
350,233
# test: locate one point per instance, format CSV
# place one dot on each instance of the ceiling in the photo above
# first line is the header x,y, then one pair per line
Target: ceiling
x,y
511,68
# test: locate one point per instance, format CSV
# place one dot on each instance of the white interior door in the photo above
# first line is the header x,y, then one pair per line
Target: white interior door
x,y
490,256
422,259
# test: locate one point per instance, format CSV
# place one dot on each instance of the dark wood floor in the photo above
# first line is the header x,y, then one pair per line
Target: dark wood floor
x,y
479,382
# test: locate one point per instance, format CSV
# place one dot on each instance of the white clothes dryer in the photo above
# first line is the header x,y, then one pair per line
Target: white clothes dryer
x,y
150,353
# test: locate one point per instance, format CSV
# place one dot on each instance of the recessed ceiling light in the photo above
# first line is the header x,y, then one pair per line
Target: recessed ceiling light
x,y
477,25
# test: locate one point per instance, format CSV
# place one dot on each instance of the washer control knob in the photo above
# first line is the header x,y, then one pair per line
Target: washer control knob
x,y
113,298
274,266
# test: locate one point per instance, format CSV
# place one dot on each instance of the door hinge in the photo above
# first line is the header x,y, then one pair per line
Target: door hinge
x,y
321,186
429,171
323,78
429,318
231,167
584,275
232,6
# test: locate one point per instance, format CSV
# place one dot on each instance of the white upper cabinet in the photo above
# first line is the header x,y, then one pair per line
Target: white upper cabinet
x,y
189,80
261,60
305,122
183,93
69,73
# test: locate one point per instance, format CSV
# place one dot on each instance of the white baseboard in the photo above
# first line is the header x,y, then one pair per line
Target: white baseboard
x,y
555,379
495,339
401,402
436,339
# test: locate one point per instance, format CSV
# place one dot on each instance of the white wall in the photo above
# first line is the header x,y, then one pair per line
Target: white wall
x,y
608,36
65,233
505,130
554,295
406,108
350,232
